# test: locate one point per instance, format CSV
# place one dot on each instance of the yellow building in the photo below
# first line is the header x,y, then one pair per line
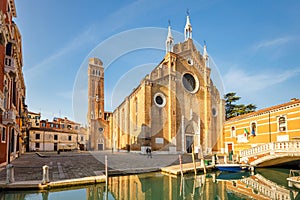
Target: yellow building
x,y
273,124
175,108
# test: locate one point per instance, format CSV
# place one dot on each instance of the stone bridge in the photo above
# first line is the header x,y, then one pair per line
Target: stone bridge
x,y
273,153
269,189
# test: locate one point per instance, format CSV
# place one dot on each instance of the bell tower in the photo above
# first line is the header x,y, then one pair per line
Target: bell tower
x,y
95,89
95,100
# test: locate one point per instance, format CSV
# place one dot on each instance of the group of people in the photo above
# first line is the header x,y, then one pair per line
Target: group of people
x,y
148,151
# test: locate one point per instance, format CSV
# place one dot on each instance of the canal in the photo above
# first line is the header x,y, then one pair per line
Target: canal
x,y
265,183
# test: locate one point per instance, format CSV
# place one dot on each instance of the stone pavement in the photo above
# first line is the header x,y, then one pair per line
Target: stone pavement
x,y
72,165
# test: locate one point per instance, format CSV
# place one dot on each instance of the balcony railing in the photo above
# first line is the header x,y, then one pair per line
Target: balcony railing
x,y
9,64
2,101
8,117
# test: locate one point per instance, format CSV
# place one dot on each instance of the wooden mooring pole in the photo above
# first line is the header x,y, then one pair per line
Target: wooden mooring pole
x,y
193,157
180,163
106,179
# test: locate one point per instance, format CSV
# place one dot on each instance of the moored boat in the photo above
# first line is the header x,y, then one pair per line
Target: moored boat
x,y
232,167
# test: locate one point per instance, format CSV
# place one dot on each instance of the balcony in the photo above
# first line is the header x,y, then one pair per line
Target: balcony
x,y
8,117
1,102
9,64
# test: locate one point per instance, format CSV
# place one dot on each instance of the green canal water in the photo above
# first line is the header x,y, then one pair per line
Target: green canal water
x,y
268,183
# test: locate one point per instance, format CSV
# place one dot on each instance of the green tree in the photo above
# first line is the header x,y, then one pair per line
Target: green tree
x,y
232,109
230,106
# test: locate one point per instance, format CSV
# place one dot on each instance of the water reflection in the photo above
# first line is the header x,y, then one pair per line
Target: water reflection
x,y
265,184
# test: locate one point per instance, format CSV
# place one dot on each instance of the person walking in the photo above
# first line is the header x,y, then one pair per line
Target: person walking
x,y
148,151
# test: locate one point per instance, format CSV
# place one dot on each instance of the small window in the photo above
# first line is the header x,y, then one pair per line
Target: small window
x,y
214,112
253,128
56,126
76,127
282,123
70,137
190,61
81,138
160,100
43,124
62,126
69,127
37,136
55,137
3,135
233,131
37,145
51,125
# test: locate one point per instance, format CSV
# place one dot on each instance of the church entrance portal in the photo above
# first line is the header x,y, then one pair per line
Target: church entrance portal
x,y
100,147
189,138
189,142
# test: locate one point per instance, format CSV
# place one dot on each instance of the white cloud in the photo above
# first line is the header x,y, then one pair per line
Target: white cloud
x,y
273,43
239,81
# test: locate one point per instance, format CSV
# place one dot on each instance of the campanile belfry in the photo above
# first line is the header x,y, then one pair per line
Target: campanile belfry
x,y
95,99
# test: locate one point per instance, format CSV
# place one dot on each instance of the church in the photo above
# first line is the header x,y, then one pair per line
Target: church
x,y
175,108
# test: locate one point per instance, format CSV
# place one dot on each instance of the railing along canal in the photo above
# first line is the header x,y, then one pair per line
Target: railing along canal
x,y
288,146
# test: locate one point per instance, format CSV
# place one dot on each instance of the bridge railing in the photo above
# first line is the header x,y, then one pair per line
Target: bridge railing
x,y
267,188
288,146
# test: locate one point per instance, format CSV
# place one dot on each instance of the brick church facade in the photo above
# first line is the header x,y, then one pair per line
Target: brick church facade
x,y
175,108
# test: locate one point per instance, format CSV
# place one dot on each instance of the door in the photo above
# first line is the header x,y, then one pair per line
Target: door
x,y
229,147
100,147
55,146
189,143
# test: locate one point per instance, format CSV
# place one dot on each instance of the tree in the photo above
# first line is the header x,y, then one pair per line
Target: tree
x,y
230,99
232,109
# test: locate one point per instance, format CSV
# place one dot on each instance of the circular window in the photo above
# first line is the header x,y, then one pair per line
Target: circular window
x,y
190,61
160,99
189,82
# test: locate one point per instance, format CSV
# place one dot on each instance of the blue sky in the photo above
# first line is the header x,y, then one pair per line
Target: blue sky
x,y
254,44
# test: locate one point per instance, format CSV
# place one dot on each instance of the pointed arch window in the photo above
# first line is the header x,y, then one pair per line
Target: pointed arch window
x,y
92,115
136,113
123,121
3,135
100,113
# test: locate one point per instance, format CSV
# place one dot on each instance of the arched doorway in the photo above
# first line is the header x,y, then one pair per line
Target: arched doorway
x,y
101,144
189,138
